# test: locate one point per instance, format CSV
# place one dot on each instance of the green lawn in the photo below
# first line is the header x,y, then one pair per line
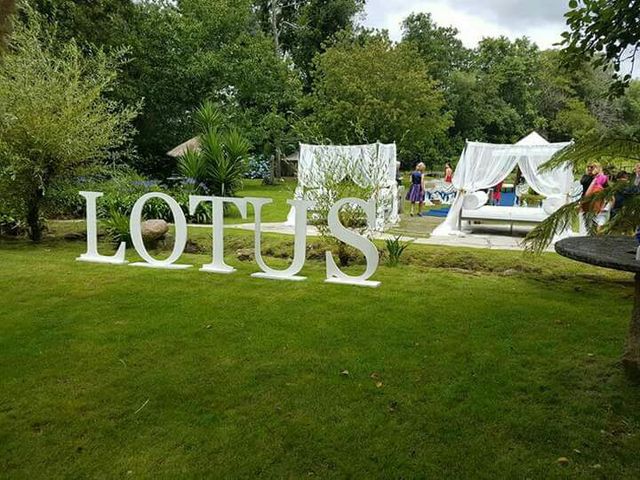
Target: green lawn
x,y
275,212
463,364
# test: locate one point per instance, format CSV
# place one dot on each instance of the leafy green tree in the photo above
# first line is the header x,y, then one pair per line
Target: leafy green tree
x,y
204,49
104,23
605,32
305,27
178,54
508,70
438,46
54,119
574,120
372,91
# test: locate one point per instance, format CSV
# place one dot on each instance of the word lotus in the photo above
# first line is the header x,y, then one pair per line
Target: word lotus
x,y
218,265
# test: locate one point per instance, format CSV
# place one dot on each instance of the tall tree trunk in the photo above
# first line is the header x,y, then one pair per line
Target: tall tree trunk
x,y
274,25
631,358
33,216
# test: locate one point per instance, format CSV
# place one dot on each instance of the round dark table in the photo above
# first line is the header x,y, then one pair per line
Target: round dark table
x,y
617,253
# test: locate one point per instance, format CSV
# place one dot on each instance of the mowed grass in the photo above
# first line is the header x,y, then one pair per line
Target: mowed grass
x,y
277,211
463,364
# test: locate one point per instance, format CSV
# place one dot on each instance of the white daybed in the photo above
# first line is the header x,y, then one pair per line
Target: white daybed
x,y
509,215
484,165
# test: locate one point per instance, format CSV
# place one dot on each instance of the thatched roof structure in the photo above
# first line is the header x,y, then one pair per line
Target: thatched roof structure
x,y
191,144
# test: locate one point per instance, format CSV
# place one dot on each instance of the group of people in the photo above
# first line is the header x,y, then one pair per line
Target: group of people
x,y
595,180
417,189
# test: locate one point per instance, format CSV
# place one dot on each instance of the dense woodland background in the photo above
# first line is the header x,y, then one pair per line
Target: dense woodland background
x,y
307,72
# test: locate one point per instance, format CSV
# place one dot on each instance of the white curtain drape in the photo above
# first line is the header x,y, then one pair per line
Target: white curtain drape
x,y
484,165
481,166
370,166
553,183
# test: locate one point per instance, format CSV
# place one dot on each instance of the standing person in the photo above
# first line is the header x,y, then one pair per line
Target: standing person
x,y
497,194
599,181
598,184
620,195
586,179
416,191
448,173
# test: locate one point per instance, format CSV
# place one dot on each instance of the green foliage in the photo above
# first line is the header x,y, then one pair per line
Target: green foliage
x,y
117,228
440,48
605,32
6,10
306,27
103,23
395,248
55,120
180,53
201,49
193,166
574,120
226,156
372,90
219,164
122,187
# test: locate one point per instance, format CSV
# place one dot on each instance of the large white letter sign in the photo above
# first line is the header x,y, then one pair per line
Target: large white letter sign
x,y
300,245
180,242
92,254
334,274
217,224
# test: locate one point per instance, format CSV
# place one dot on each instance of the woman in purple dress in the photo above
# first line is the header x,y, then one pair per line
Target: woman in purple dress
x,y
416,191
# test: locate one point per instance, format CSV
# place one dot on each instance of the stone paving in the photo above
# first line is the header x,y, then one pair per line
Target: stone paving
x,y
489,237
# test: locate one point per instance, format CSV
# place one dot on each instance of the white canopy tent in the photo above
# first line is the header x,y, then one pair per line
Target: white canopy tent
x,y
370,166
484,165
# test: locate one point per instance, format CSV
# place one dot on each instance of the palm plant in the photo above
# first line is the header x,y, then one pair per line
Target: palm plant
x,y
609,149
395,249
226,156
220,163
117,227
193,166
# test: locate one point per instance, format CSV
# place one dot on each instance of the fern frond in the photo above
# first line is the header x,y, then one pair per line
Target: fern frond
x,y
596,147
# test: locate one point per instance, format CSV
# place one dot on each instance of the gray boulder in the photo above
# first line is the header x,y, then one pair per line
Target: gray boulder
x,y
153,230
244,254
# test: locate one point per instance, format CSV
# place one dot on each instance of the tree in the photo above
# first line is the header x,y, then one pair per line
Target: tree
x,y
103,23
438,46
205,50
54,119
368,89
304,28
605,32
494,99
180,53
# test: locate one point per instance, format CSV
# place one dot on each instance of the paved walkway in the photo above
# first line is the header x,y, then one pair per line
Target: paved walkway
x,y
488,237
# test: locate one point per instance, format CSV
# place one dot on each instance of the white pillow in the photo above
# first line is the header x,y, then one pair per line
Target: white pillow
x,y
475,200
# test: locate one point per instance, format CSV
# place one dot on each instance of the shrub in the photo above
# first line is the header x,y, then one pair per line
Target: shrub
x,y
54,116
258,168
219,165
395,249
117,228
11,225
122,187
